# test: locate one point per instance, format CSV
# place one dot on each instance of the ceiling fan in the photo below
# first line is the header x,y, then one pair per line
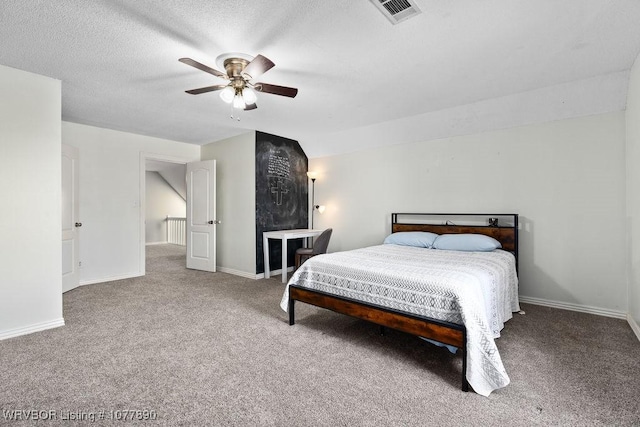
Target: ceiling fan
x,y
240,70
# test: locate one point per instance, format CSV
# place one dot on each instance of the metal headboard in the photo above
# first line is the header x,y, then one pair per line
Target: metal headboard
x,y
505,229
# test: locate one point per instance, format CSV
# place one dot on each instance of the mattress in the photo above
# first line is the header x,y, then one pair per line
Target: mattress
x,y
476,289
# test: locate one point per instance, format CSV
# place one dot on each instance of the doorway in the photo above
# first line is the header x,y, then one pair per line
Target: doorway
x,y
164,177
165,203
199,181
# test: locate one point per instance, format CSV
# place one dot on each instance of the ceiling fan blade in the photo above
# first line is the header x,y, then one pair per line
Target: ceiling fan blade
x,y
257,67
291,92
203,67
250,107
205,89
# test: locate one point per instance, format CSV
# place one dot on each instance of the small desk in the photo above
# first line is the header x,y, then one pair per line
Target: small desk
x,y
284,235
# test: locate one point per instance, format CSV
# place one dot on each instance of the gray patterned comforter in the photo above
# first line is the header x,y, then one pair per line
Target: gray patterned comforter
x,y
477,289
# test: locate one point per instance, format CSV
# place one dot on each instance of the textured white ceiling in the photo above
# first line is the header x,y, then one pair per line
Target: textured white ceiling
x,y
461,66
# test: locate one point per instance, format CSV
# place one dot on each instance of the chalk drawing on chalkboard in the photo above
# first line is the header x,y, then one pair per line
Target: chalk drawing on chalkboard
x,y
279,175
279,189
279,165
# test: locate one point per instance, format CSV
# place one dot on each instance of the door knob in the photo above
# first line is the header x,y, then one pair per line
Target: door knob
x,y
209,222
78,224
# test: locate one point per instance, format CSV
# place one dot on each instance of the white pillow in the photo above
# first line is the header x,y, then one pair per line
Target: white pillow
x,y
419,239
466,242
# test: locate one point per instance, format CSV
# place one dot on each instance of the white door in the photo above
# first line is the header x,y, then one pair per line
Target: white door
x,y
70,223
201,215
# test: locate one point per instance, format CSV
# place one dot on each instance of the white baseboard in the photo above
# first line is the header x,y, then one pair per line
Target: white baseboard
x,y
250,275
31,329
236,272
110,279
634,325
274,273
574,307
218,268
155,243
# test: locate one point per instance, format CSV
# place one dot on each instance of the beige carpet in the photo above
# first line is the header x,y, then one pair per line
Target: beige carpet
x,y
215,349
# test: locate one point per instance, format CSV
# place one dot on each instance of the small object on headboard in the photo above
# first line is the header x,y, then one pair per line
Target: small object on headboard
x,y
493,222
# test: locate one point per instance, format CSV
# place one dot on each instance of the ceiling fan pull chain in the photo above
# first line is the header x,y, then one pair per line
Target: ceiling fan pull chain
x,y
235,113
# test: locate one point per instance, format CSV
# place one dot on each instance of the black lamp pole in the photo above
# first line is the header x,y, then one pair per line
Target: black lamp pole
x,y
313,198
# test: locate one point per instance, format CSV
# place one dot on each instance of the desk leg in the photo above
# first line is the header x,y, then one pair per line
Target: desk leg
x,y
265,250
284,260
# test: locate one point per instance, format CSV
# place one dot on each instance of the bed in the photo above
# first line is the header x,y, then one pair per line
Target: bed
x,y
457,298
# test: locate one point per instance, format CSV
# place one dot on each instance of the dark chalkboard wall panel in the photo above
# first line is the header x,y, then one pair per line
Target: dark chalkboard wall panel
x,y
281,195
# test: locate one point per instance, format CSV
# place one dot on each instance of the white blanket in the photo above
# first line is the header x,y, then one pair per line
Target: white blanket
x,y
477,289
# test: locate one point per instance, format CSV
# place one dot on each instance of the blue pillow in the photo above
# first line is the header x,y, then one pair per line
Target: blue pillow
x,y
466,242
420,239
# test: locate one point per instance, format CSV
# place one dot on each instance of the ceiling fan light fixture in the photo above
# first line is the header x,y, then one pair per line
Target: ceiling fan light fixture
x,y
227,94
249,95
239,70
238,102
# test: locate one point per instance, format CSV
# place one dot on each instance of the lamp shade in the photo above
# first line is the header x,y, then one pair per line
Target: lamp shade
x,y
238,102
249,95
312,175
227,94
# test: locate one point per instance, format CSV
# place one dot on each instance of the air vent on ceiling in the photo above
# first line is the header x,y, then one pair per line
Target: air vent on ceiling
x,y
397,11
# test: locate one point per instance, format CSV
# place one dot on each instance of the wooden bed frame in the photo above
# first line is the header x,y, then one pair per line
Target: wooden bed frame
x,y
444,332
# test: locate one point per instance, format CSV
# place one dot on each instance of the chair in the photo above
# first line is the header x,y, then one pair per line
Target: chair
x,y
319,247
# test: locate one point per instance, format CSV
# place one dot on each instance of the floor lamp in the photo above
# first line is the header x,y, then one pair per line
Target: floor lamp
x,y
319,208
312,176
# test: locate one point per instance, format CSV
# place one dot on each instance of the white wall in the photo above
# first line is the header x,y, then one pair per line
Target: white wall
x,y
175,176
161,200
236,202
633,194
30,218
566,179
110,238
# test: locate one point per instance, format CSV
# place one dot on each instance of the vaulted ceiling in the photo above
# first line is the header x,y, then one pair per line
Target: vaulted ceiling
x,y
458,67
